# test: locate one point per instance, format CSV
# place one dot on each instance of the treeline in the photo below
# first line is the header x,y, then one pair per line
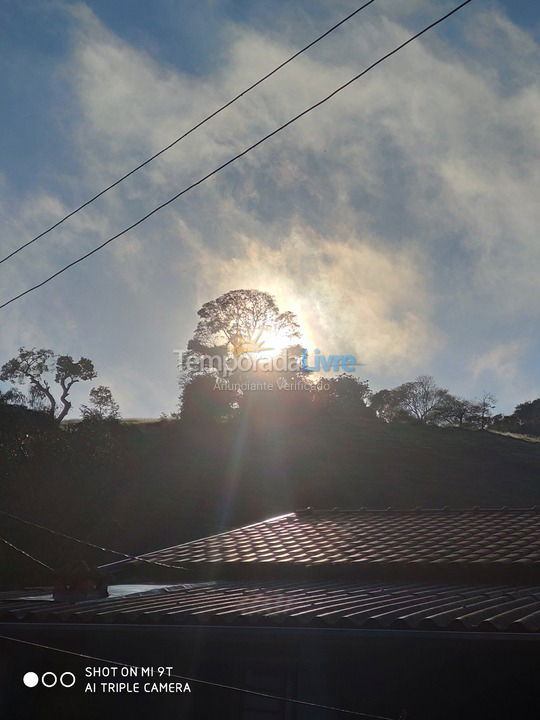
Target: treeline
x,y
420,401
208,397
423,401
35,374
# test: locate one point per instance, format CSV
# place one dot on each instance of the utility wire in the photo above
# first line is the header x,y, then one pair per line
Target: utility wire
x,y
23,552
188,132
126,556
233,688
236,157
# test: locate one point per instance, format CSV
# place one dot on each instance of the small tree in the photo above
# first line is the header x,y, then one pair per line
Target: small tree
x,y
388,405
420,400
33,366
483,408
102,405
12,396
456,411
423,399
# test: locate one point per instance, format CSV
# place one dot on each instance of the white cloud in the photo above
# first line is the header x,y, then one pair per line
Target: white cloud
x,y
400,218
500,367
502,361
349,296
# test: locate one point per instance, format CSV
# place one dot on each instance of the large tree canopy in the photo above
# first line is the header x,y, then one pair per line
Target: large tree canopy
x,y
239,321
245,314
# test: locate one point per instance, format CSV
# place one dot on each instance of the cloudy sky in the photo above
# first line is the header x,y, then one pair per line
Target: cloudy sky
x,y
399,221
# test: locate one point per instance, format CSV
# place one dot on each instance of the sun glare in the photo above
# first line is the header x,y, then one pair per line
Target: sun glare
x,y
274,343
263,345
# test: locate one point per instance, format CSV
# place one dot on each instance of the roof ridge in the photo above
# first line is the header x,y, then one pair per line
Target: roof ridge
x,y
196,540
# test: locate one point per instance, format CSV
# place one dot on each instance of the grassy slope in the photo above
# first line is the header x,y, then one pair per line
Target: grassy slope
x,y
406,465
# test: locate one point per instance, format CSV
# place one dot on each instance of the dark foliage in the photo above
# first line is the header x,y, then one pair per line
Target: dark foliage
x,y
524,420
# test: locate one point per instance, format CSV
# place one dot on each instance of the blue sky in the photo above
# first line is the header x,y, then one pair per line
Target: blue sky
x,y
399,222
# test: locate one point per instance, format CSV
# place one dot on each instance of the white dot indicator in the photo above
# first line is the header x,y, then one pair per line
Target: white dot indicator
x,y
30,679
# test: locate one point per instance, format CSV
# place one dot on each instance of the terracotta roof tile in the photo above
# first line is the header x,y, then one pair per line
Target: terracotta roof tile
x,y
431,536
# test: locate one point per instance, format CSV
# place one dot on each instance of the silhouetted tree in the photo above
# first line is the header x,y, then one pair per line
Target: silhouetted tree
x,y
456,411
348,395
423,399
12,396
525,419
235,323
32,367
208,398
388,405
482,413
243,315
102,405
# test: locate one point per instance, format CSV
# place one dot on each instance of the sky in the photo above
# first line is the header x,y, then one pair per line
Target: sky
x,y
399,221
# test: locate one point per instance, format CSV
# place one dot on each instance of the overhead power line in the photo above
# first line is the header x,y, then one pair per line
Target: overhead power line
x,y
27,555
126,556
222,686
236,157
188,132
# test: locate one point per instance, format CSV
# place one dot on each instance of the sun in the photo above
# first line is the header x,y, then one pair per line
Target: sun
x,y
264,344
274,343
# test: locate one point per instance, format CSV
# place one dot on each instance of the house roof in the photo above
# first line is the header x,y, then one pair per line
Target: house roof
x,y
498,543
423,569
368,605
